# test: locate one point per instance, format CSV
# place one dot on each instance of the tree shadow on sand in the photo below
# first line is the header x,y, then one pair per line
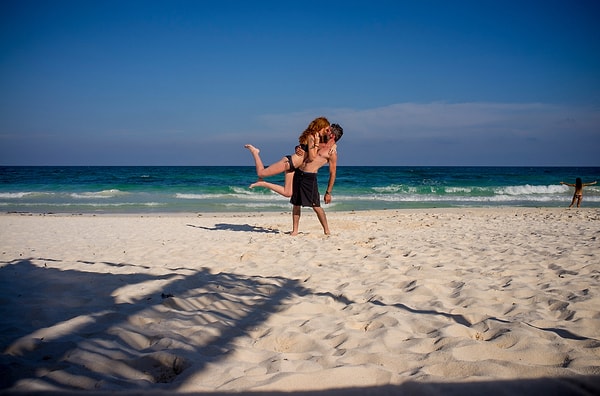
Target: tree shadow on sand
x,y
554,386
460,319
75,330
66,324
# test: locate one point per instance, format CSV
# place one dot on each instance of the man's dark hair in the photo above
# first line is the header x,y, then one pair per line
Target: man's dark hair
x,y
337,131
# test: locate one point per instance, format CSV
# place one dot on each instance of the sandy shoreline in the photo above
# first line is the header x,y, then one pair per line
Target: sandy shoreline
x,y
425,301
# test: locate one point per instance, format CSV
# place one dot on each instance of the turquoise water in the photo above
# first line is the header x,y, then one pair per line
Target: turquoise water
x,y
225,189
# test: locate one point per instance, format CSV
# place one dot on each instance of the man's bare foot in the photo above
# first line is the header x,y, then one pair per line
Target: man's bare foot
x,y
252,148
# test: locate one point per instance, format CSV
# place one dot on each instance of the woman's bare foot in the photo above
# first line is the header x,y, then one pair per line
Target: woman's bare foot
x,y
258,183
252,149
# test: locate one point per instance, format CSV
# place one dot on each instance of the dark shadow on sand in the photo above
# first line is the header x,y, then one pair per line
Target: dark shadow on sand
x,y
89,295
548,386
237,227
457,318
463,321
182,298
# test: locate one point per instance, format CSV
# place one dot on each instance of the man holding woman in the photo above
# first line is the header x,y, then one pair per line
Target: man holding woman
x,y
318,147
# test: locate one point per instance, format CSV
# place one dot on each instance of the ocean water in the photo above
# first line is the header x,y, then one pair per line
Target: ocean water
x,y
225,189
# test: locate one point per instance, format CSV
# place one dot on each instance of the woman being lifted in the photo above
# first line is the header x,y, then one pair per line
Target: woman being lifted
x,y
309,146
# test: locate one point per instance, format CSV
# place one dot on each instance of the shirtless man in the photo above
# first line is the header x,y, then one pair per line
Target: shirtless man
x,y
305,186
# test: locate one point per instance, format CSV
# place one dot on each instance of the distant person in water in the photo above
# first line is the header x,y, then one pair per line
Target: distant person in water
x,y
578,195
307,151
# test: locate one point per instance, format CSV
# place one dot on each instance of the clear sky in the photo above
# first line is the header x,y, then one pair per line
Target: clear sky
x,y
190,82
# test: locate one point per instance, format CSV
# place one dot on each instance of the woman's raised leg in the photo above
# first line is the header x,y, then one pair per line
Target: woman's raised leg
x,y
273,169
285,190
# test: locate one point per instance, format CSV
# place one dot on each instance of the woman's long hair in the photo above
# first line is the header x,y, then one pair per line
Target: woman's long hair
x,y
315,126
578,183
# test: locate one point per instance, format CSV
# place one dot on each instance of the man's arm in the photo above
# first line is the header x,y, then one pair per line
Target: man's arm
x,y
332,173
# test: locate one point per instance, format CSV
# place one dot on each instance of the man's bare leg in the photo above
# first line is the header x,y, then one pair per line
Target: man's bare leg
x,y
296,212
322,218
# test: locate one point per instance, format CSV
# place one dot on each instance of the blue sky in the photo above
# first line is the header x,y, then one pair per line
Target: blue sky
x,y
190,82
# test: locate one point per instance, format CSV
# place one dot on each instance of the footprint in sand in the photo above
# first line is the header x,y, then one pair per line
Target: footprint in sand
x,y
560,307
560,271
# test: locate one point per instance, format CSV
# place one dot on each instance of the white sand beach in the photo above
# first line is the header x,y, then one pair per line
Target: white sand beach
x,y
427,301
